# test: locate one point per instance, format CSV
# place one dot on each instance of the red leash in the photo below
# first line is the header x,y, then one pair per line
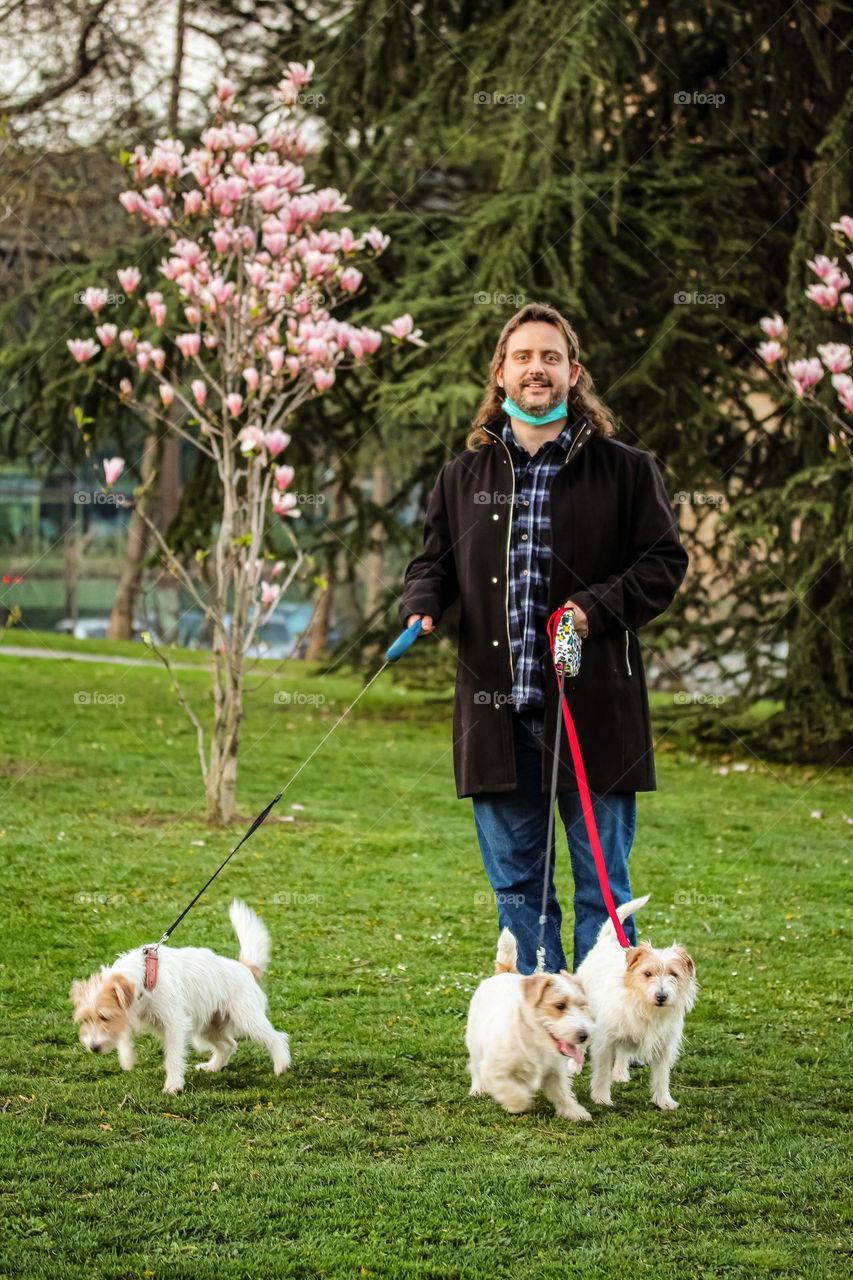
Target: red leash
x,y
583,788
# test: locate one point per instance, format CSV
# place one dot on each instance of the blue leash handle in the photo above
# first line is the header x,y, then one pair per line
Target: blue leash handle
x,y
404,641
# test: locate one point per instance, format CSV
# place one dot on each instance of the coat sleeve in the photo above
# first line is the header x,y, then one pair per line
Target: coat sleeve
x,y
648,586
431,584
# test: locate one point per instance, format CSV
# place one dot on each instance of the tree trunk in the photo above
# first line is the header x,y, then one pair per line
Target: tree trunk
x,y
130,576
375,585
318,636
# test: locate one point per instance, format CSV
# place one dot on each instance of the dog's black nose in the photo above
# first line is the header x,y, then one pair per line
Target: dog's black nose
x,y
582,1037
96,1048
661,997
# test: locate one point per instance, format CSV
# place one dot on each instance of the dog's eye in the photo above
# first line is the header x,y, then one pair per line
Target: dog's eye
x,y
647,973
561,1007
104,1017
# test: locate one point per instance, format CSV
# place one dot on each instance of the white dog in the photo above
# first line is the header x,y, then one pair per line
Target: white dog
x,y
526,1034
199,996
638,999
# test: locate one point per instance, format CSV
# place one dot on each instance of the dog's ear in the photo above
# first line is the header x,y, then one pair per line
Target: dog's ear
x,y
634,955
75,995
684,961
123,989
535,986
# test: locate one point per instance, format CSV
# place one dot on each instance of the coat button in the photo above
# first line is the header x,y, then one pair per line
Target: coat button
x,y
496,643
496,516
494,579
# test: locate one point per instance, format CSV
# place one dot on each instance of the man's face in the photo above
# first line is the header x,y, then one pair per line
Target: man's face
x,y
537,372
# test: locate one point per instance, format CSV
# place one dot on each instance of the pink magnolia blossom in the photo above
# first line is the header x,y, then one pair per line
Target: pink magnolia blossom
x,y
82,349
106,334
323,379
193,314
843,386
251,378
835,355
125,387
350,280
192,201
269,593
167,393
221,240
823,295
283,477
189,344
94,299
773,326
158,355
275,355
129,278
402,330
805,374
770,352
277,569
234,404
199,390
844,225
143,358
127,338
113,468
276,441
284,504
251,440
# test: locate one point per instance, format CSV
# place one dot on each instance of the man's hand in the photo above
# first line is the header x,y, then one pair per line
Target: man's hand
x,y
426,621
580,619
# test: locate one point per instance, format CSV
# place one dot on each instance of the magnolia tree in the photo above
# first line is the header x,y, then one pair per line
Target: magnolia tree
x,y
251,280
832,294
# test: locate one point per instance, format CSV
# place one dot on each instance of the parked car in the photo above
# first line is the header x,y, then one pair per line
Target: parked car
x,y
96,628
283,635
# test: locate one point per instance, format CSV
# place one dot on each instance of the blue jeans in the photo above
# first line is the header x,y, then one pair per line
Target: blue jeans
x,y
512,828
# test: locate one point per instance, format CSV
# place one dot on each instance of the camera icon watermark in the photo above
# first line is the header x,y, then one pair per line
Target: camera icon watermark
x,y
696,498
695,298
690,898
294,697
289,899
492,698
95,698
99,899
697,99
484,899
685,699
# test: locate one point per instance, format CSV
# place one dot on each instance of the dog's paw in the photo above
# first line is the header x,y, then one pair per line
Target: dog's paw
x,y
574,1113
621,1075
603,1099
206,1066
666,1104
173,1086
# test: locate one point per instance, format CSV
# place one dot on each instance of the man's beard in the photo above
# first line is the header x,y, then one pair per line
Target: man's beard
x,y
538,406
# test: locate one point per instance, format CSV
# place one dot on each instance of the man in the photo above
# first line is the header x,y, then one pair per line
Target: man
x,y
545,508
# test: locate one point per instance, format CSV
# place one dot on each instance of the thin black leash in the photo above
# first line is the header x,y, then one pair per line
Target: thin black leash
x,y
260,818
543,915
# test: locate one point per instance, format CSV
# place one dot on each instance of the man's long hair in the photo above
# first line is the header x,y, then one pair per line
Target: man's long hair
x,y
582,400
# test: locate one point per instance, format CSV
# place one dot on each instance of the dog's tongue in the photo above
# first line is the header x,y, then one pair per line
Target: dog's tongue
x,y
570,1051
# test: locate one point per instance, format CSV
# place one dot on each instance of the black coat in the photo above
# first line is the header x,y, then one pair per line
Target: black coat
x,y
615,550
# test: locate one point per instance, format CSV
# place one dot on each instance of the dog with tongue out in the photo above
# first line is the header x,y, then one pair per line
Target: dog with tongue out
x,y
526,1035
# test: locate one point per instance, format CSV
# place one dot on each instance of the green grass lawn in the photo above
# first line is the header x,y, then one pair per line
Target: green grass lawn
x,y
368,1158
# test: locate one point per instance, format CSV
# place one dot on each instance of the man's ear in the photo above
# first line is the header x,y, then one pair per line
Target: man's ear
x,y
535,987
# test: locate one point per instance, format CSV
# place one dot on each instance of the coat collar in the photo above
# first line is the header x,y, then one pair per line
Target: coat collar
x,y
581,432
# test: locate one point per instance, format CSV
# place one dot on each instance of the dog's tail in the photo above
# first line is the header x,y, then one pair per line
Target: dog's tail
x,y
627,909
507,953
253,936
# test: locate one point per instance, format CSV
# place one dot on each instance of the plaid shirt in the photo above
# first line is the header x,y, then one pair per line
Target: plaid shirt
x,y
529,561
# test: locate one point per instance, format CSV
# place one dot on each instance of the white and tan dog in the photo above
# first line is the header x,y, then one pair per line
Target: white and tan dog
x,y
638,999
526,1034
199,996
